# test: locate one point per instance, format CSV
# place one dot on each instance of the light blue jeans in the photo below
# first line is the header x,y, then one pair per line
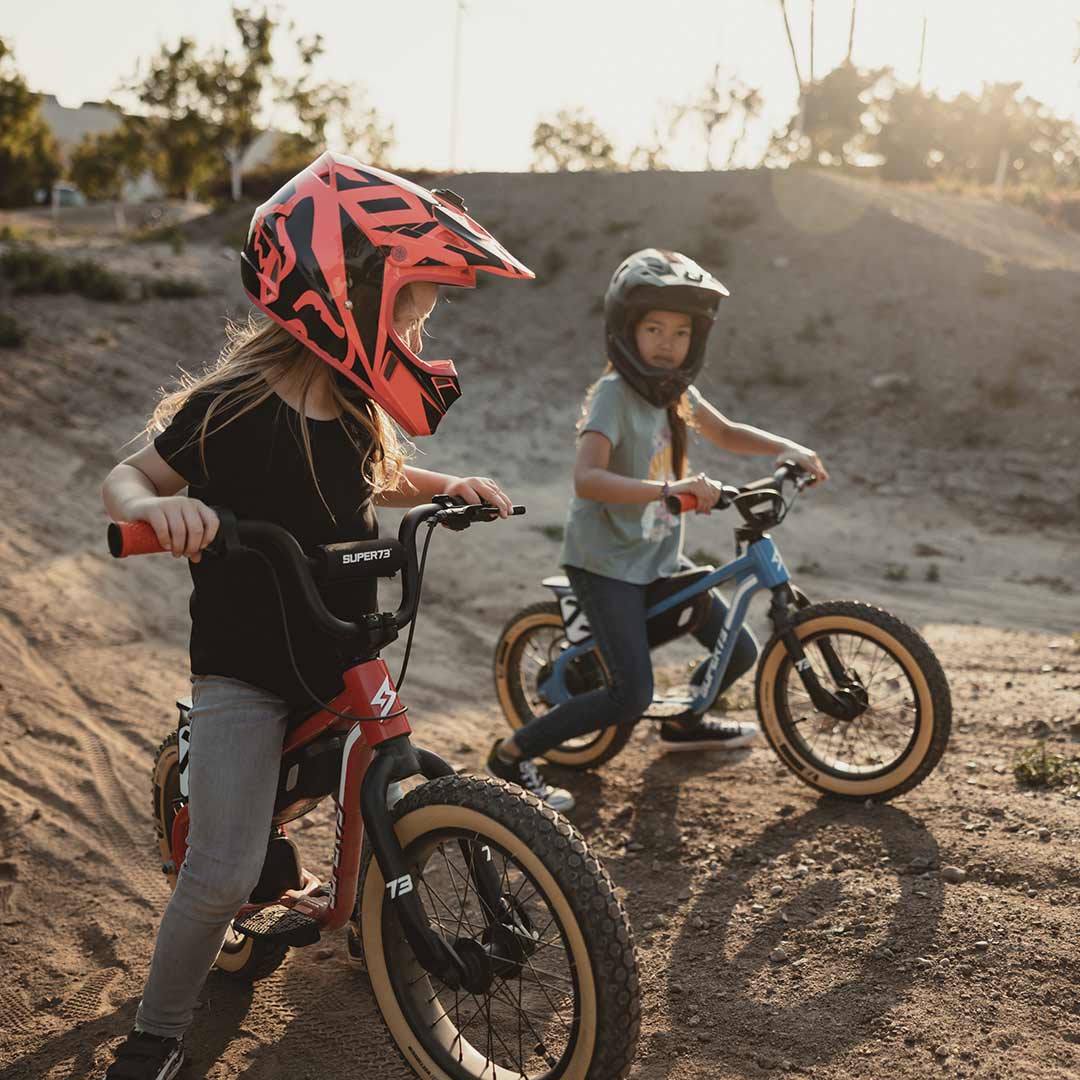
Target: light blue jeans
x,y
236,735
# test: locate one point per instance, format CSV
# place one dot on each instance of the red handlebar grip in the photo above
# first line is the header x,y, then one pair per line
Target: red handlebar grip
x,y
681,504
133,538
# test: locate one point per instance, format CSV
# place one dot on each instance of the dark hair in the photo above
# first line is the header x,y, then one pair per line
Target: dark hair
x,y
680,417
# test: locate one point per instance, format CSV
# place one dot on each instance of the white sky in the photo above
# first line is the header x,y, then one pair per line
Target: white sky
x,y
522,59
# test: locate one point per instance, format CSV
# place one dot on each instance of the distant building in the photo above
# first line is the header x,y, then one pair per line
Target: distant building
x,y
70,126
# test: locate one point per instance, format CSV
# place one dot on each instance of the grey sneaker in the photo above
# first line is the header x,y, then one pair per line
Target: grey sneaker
x,y
524,773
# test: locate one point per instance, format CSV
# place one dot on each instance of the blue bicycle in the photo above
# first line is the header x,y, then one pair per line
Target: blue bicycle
x,y
851,699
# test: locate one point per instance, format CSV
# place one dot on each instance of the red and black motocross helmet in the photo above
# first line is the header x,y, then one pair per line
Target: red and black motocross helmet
x,y
652,279
342,230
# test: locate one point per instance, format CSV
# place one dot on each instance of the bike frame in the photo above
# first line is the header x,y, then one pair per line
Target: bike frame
x,y
377,752
760,568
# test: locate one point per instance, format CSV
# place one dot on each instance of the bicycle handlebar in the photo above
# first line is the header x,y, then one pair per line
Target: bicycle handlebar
x,y
235,536
787,471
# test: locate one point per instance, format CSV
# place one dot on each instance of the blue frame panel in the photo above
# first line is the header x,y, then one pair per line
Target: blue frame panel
x,y
760,568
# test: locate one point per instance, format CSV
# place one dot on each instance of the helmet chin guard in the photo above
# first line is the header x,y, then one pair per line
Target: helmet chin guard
x,y
327,255
649,280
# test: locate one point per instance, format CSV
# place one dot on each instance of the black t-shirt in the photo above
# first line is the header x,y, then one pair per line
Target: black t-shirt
x,y
256,466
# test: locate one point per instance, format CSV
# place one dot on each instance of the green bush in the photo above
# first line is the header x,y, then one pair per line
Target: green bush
x,y
12,334
169,288
31,270
1038,767
171,234
92,280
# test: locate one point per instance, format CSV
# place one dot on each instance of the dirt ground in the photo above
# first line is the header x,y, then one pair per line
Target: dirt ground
x,y
962,460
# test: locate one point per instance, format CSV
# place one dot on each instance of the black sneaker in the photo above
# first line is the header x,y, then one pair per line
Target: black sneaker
x,y
142,1056
524,772
354,945
708,734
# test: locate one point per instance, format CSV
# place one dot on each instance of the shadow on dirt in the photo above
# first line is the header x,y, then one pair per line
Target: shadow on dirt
x,y
77,1048
833,889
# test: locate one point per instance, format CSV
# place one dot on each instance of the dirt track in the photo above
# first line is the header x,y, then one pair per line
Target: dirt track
x,y
883,964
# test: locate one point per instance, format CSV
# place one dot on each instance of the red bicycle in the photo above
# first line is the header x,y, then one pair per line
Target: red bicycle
x,y
494,940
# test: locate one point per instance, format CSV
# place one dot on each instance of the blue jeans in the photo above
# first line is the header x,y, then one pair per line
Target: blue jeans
x,y
616,614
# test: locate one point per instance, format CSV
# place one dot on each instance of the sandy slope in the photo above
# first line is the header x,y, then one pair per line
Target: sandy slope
x,y
972,461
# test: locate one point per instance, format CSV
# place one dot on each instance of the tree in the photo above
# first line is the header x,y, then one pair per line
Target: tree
x,y
185,144
230,89
571,141
29,159
836,117
725,106
921,135
213,107
322,107
651,155
103,164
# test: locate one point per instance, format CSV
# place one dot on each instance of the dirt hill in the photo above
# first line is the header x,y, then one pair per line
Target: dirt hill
x,y
924,344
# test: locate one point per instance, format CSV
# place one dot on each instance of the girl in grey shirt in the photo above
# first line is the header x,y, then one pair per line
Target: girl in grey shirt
x,y
619,537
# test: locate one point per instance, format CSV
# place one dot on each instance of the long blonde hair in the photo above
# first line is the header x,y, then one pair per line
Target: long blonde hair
x,y
259,353
680,417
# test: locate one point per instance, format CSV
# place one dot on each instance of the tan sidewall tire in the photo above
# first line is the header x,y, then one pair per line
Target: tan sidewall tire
x,y
431,819
232,962
797,762
510,637
168,758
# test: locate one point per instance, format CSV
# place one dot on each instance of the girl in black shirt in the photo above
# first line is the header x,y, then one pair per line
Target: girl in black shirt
x,y
295,424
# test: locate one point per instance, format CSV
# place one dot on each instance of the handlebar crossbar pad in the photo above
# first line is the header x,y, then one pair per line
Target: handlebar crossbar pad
x,y
357,559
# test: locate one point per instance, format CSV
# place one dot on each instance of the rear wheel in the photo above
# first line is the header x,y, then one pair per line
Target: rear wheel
x,y
241,957
560,995
529,644
888,670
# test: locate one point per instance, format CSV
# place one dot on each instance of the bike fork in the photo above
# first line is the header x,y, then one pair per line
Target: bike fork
x,y
397,759
824,699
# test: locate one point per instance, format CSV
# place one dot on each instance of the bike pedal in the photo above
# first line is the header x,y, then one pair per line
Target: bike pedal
x,y
281,923
667,710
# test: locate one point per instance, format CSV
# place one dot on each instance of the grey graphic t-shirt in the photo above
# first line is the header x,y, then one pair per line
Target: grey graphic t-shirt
x,y
618,540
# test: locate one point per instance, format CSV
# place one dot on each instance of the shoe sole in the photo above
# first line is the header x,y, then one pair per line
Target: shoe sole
x,y
562,809
711,744
170,1068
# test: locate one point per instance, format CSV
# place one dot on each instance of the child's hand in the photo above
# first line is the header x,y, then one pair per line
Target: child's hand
x,y
806,459
474,489
183,526
702,488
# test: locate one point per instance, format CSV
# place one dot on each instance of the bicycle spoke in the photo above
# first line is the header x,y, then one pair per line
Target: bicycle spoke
x,y
524,1022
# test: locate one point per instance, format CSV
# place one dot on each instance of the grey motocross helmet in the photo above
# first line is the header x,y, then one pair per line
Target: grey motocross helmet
x,y
665,280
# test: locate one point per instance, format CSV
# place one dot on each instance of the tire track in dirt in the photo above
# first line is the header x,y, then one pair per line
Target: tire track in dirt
x,y
86,1003
325,1014
19,1018
101,804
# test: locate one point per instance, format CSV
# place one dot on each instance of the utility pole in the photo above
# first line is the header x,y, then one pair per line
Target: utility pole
x,y
851,31
455,89
795,62
922,52
812,5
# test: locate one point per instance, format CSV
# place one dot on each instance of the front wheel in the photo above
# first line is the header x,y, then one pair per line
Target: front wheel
x,y
561,993
874,659
530,643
